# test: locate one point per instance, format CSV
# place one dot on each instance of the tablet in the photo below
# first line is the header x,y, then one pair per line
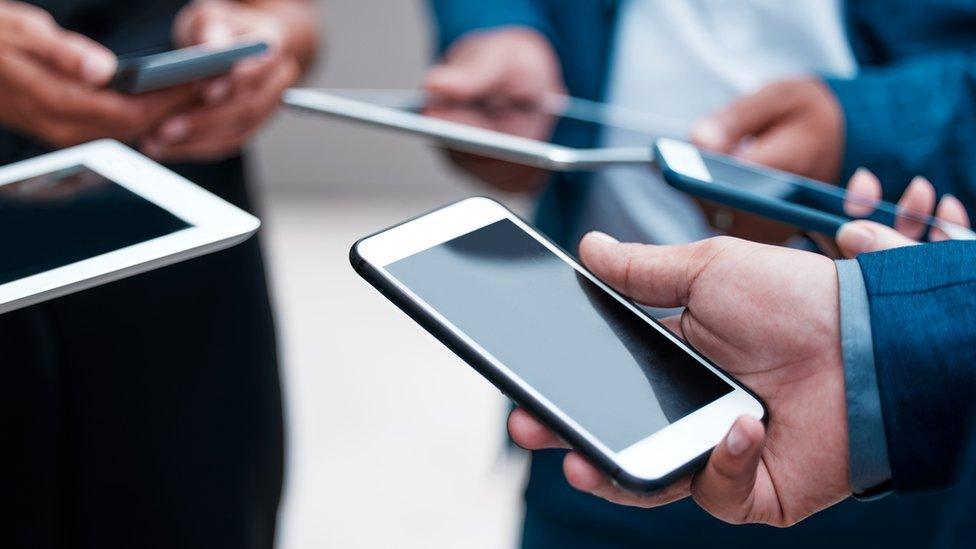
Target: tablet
x,y
95,213
520,135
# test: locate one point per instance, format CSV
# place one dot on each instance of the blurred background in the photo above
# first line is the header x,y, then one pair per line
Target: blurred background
x,y
392,441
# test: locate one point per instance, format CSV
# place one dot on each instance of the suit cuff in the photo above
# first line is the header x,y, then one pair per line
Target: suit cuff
x,y
869,465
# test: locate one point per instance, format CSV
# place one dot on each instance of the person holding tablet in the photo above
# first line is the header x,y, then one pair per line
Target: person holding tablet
x,y
146,413
686,60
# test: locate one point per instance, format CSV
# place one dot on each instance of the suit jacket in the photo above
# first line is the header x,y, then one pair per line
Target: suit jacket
x,y
910,111
923,318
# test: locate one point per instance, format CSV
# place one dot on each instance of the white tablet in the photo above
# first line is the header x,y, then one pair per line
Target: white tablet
x,y
99,212
522,135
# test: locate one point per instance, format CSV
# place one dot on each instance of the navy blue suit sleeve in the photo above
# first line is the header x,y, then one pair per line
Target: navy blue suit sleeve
x,y
913,117
923,318
455,18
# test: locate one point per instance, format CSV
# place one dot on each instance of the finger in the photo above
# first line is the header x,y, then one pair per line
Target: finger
x,y
475,71
529,433
202,22
70,53
863,194
658,276
748,116
246,74
950,210
466,80
726,486
917,203
858,237
217,132
586,478
673,323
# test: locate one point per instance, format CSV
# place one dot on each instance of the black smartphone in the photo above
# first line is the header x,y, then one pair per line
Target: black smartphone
x,y
636,400
172,68
810,205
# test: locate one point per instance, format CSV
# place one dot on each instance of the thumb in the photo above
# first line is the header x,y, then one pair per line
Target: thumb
x,y
725,487
745,117
468,77
72,54
658,276
859,237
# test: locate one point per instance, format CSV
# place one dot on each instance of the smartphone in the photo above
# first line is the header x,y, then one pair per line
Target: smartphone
x,y
624,391
805,203
163,70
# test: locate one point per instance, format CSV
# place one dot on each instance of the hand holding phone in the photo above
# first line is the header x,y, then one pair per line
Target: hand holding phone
x,y
810,205
236,105
54,84
769,316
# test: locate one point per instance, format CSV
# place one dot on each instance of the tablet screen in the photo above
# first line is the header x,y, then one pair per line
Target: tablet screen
x,y
56,219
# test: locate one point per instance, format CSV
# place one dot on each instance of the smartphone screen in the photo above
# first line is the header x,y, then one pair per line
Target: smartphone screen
x,y
819,196
614,373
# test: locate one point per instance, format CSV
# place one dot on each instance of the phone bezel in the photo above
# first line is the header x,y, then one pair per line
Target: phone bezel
x,y
648,464
684,168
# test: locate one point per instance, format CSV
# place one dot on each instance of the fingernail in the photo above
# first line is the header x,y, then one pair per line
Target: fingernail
x,y
919,180
216,92
174,130
603,237
709,133
855,238
737,441
97,69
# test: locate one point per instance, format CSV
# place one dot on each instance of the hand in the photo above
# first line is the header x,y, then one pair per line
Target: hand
x,y
795,126
233,107
51,84
919,199
769,316
503,68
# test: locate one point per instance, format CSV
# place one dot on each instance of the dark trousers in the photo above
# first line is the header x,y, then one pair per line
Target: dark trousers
x,y
559,516
147,413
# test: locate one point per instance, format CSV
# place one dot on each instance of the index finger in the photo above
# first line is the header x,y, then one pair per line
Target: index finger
x,y
530,433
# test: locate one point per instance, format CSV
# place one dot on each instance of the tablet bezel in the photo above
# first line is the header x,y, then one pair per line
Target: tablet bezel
x,y
214,223
466,138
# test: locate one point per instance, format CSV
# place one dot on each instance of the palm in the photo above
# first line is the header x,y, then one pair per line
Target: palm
x,y
784,345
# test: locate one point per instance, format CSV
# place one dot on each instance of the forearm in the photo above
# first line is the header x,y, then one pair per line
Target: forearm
x,y
913,118
923,323
299,19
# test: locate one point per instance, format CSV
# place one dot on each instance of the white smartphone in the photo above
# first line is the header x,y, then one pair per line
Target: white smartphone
x,y
95,213
637,401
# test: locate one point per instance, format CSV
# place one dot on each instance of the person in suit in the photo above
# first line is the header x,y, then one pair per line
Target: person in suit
x,y
691,59
880,386
147,412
